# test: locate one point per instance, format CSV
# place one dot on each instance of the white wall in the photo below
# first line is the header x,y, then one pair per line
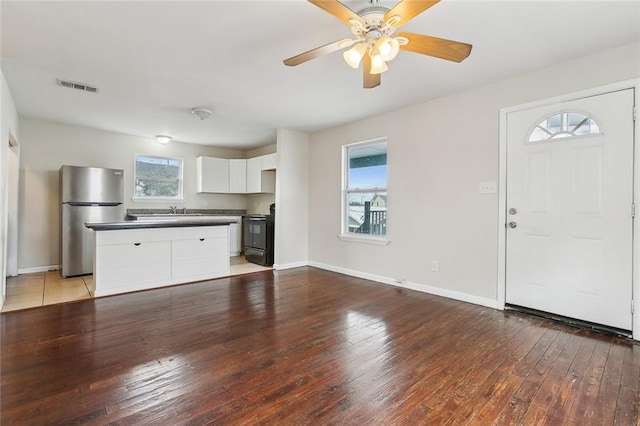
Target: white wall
x,y
8,126
260,203
292,201
46,146
438,153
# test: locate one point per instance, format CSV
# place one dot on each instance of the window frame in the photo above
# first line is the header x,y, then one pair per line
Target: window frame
x,y
568,134
345,235
179,197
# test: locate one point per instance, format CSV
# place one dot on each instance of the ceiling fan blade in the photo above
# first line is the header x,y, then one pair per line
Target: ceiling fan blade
x,y
337,9
439,47
369,81
314,53
408,9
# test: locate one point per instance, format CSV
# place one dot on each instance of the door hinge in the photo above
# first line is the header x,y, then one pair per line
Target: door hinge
x,y
633,209
634,113
632,306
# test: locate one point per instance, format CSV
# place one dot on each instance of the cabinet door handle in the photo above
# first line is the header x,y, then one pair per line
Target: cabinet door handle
x,y
136,244
201,239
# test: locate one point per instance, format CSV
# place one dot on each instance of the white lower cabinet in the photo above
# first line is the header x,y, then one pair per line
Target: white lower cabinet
x,y
199,256
127,278
117,255
235,234
137,259
235,238
120,264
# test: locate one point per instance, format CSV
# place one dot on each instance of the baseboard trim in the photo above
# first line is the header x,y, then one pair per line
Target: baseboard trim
x,y
36,269
281,267
450,294
424,288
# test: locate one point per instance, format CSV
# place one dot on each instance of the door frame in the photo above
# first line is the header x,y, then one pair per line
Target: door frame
x,y
502,194
12,200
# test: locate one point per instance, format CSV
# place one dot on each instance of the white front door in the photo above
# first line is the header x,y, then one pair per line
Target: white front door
x,y
569,209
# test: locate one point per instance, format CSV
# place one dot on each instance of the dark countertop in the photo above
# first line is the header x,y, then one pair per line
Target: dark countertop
x,y
173,216
156,223
181,210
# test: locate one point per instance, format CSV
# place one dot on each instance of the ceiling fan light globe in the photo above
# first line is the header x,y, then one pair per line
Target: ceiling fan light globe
x,y
378,65
388,48
354,55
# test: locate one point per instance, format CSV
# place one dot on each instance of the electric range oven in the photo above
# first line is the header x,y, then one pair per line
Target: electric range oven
x,y
258,239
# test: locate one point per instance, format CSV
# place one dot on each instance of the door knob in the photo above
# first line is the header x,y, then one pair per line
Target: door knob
x,y
513,211
512,224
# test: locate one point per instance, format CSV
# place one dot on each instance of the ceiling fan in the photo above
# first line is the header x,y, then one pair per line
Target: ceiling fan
x,y
375,44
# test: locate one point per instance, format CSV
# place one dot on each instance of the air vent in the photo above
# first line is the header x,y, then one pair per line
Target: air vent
x,y
76,85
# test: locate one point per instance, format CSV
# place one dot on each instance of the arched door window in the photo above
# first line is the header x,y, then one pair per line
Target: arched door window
x,y
564,125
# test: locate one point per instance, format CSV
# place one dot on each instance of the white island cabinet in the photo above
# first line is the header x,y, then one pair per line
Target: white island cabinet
x,y
128,260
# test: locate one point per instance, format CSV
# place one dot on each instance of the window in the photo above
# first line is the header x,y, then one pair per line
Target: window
x,y
564,125
158,178
365,189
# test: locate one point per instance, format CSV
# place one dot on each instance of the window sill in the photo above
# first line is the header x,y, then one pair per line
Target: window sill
x,y
367,239
156,200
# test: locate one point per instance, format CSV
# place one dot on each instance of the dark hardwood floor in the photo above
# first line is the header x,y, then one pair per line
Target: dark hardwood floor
x,y
306,346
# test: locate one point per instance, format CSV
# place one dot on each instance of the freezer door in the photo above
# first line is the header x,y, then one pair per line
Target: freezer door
x,y
77,239
91,185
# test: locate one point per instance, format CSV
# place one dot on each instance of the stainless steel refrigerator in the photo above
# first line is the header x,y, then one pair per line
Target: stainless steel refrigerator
x,y
87,194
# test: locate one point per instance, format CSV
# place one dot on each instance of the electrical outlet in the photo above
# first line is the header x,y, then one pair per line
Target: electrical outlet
x,y
488,187
435,266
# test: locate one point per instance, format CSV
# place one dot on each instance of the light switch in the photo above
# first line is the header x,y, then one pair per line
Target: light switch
x,y
488,187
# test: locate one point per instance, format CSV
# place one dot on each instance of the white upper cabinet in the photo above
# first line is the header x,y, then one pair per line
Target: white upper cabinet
x,y
238,176
259,180
254,168
212,174
269,161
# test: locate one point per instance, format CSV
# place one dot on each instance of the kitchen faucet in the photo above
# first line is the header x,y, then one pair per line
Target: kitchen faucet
x,y
174,209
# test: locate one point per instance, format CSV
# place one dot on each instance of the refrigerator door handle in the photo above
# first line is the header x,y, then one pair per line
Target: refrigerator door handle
x,y
84,204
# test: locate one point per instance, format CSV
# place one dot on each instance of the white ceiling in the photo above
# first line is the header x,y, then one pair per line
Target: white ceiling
x,y
152,61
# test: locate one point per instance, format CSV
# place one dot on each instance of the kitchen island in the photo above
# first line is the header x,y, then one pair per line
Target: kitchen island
x,y
137,255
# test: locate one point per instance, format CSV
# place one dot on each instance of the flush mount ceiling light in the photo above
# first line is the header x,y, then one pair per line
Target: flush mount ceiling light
x,y
163,139
201,113
375,44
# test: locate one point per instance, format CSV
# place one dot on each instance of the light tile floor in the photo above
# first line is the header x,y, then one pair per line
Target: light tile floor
x,y
48,288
